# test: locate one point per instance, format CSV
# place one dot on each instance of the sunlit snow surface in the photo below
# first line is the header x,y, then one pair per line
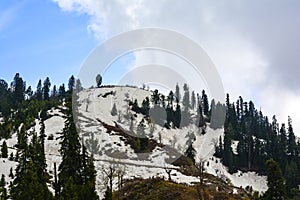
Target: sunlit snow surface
x,y
93,107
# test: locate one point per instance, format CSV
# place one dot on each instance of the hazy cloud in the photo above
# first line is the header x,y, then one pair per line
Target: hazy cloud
x,y
254,44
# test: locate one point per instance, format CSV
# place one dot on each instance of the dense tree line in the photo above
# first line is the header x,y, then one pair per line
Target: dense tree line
x,y
259,140
19,107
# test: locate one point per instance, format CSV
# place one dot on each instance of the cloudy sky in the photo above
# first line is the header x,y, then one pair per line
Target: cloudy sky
x,y
255,45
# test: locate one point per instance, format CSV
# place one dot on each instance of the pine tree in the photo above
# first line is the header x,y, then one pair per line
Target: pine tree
x,y
98,80
276,186
193,100
227,152
143,140
114,111
186,115
70,190
3,191
88,187
29,92
54,92
39,91
204,100
4,152
291,143
29,182
71,84
170,99
5,96
146,106
11,175
46,89
283,143
177,116
177,93
18,87
70,151
77,175
155,97
2,181
62,91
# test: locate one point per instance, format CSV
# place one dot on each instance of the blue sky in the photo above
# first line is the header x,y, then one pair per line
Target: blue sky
x,y
37,40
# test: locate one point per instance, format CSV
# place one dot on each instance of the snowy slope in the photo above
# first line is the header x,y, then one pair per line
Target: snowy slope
x,y
95,105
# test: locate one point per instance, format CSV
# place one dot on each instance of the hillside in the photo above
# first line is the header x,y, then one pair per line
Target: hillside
x,y
113,135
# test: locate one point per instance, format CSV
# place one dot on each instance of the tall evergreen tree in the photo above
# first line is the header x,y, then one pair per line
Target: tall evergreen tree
x,y
54,91
4,152
177,93
291,143
70,150
186,115
71,84
46,89
193,100
39,91
204,100
18,87
276,186
29,182
77,173
62,91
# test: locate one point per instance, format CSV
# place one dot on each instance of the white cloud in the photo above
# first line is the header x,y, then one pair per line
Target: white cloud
x,y
240,43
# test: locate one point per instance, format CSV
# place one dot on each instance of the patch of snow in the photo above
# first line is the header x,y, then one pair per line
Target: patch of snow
x,y
234,145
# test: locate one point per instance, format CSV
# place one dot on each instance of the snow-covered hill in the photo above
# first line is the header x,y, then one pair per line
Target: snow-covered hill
x,y
94,116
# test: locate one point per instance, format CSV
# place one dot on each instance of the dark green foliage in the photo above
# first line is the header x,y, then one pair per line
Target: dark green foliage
x,y
71,84
3,191
4,152
5,97
2,181
46,89
18,88
70,150
70,190
77,175
146,106
276,186
98,80
88,187
259,140
11,174
204,100
30,182
142,140
155,97
39,91
62,91
108,194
